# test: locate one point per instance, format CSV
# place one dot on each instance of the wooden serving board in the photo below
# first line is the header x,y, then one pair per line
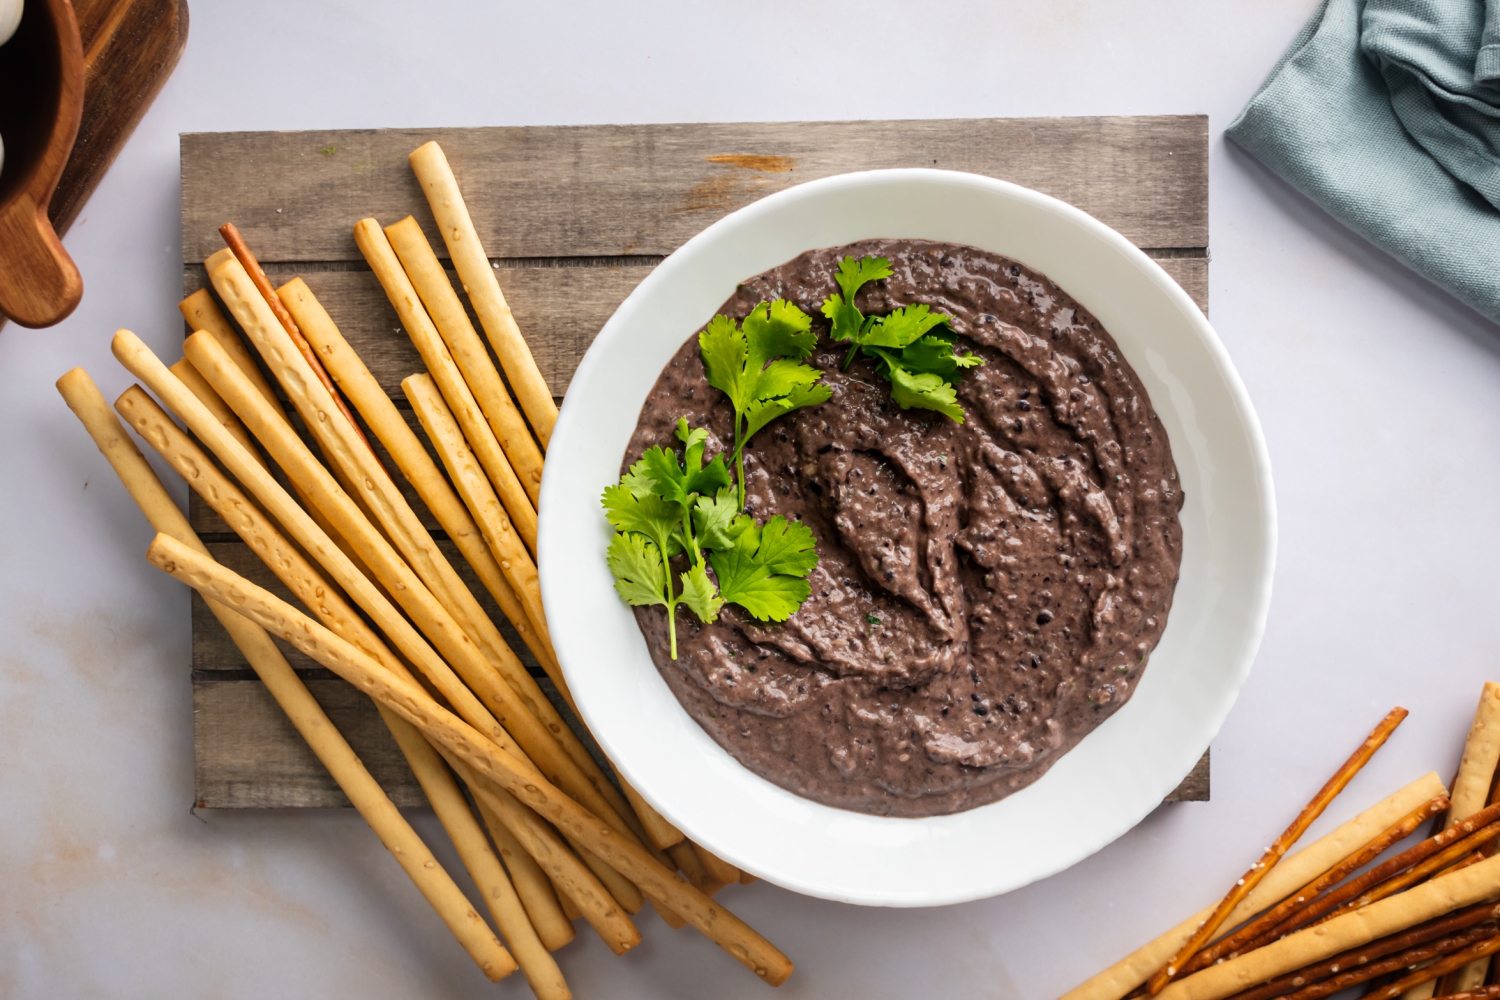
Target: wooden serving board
x,y
574,218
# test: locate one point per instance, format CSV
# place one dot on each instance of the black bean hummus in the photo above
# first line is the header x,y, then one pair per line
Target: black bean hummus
x,y
986,592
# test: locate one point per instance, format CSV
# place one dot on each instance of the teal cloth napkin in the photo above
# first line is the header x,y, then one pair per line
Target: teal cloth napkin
x,y
1387,114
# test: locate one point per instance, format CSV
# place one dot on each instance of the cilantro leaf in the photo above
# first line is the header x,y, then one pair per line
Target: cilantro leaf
x,y
923,391
840,309
934,354
747,569
753,365
903,327
712,518
650,515
700,594
640,576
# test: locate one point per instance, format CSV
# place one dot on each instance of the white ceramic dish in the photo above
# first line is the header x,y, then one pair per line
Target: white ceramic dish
x,y
1116,775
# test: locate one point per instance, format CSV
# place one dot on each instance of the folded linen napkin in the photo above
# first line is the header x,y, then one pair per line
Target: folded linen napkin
x,y
1387,114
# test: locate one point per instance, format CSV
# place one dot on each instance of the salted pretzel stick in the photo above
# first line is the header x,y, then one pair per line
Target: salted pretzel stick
x,y
567,871
484,867
203,313
138,359
490,762
376,808
532,885
428,613
377,251
452,215
1477,883
447,313
268,295
382,417
1482,993
1421,955
1275,915
720,869
1358,959
1449,963
1278,848
1296,871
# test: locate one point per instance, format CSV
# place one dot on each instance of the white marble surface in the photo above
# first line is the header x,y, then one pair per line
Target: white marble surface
x,y
1380,398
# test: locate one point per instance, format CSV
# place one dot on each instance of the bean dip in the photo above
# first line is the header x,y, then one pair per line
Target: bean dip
x,y
986,593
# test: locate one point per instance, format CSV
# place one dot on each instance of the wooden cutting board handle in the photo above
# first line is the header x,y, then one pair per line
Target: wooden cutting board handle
x,y
39,283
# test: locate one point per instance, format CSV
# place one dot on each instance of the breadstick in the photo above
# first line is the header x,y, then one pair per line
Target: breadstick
x,y
553,927
398,578
693,868
1419,904
202,313
377,251
1471,789
660,831
189,377
618,886
489,762
290,693
478,278
448,315
411,458
139,360
1420,955
1296,871
570,909
551,852
1233,943
468,838
721,870
1278,848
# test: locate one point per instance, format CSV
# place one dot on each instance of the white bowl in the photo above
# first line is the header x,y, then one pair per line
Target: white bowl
x,y
1117,774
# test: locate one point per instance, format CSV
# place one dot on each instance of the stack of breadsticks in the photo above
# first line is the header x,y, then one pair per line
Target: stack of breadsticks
x,y
1424,923
546,835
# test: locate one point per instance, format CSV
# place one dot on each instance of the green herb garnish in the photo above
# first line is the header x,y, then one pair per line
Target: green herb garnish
x,y
911,352
752,365
764,570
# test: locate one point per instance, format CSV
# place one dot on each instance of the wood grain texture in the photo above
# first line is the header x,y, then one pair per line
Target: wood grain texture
x,y
576,218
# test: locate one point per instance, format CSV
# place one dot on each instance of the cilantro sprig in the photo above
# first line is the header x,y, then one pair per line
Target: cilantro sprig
x,y
912,346
753,365
667,506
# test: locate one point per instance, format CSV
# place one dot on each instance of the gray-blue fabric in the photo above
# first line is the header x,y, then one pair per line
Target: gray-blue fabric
x,y
1387,114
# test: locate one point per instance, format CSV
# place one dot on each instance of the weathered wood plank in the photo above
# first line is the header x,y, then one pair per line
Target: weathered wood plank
x,y
645,189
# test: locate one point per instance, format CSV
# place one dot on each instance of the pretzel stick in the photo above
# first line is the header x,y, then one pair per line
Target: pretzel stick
x,y
84,399
452,215
1278,848
399,579
1483,993
448,315
202,313
468,837
1471,791
567,871
262,285
721,870
424,336
1474,884
1357,959
1275,915
494,764
1297,870
532,885
1450,963
1418,956
382,417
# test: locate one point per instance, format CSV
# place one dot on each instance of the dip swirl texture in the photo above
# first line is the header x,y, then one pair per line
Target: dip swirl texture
x,y
986,593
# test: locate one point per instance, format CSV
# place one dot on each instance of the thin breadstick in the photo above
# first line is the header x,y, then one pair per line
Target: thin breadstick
x,y
693,868
1414,957
487,761
1278,848
424,336
452,215
373,805
382,417
622,889
196,384
262,285
551,852
570,908
203,313
553,926
1398,832
721,870
1296,871
1474,884
228,379
398,578
473,847
1471,790
448,315
1361,958
658,828
1449,963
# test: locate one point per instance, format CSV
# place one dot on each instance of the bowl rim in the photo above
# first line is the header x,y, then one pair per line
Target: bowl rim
x,y
1256,608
